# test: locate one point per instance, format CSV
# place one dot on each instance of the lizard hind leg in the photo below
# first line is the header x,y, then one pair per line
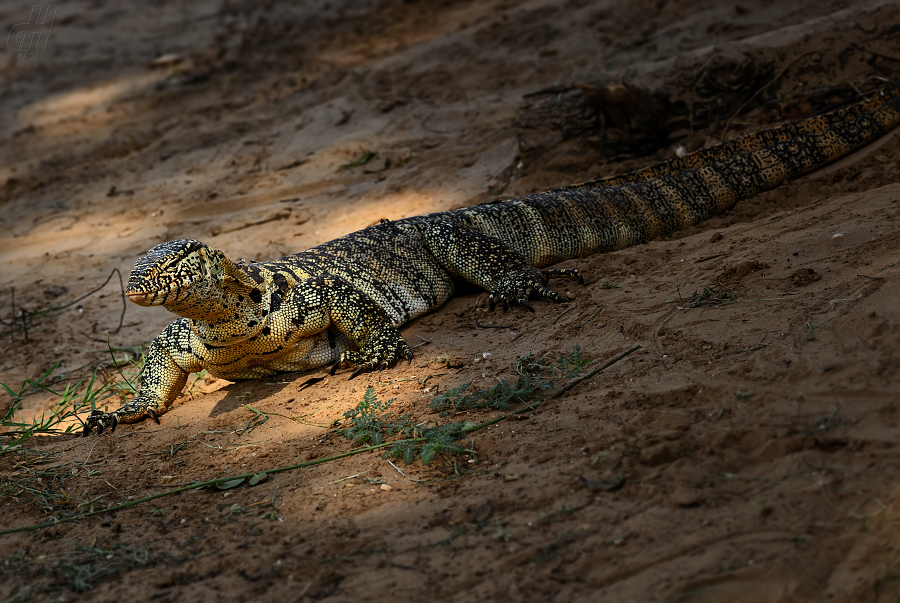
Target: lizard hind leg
x,y
489,262
517,285
330,300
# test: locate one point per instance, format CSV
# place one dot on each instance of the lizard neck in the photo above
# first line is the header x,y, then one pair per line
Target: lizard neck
x,y
225,313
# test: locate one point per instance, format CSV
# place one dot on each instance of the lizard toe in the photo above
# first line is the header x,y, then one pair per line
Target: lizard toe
x,y
563,272
153,415
382,353
500,296
359,370
99,420
518,285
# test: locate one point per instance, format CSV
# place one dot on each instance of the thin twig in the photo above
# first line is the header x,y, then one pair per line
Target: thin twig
x,y
88,294
276,414
563,314
418,345
25,314
594,372
481,326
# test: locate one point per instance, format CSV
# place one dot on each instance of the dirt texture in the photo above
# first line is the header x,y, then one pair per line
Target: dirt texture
x,y
743,453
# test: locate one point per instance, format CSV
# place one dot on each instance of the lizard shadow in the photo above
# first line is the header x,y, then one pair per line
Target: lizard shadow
x,y
250,393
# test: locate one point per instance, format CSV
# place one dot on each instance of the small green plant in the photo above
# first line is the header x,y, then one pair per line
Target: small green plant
x,y
609,285
457,399
363,159
88,504
534,375
501,533
370,423
572,364
437,440
272,515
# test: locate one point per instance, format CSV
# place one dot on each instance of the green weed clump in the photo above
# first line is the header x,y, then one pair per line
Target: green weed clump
x,y
534,376
437,440
70,401
372,423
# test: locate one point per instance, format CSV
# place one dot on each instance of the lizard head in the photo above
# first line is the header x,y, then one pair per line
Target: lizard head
x,y
183,272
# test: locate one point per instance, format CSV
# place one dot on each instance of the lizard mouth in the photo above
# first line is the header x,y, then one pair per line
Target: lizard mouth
x,y
138,296
143,298
168,293
157,297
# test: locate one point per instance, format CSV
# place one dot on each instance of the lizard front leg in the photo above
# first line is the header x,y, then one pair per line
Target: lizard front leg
x,y
326,300
167,364
488,262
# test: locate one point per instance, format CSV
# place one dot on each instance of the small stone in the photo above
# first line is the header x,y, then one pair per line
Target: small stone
x,y
685,496
386,487
660,454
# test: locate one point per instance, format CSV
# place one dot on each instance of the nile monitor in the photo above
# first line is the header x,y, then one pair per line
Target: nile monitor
x,y
340,303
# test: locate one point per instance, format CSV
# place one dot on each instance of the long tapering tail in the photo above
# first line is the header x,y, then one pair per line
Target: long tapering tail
x,y
621,211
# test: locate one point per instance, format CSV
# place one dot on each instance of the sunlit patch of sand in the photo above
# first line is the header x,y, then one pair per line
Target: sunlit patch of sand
x,y
90,101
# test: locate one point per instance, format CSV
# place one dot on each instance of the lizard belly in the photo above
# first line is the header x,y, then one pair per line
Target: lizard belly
x,y
236,362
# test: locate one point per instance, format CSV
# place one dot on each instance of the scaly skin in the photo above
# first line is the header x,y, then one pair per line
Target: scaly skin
x,y
340,303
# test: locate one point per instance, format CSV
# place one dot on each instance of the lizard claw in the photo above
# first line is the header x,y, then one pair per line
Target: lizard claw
x,y
153,415
100,420
563,272
385,349
524,281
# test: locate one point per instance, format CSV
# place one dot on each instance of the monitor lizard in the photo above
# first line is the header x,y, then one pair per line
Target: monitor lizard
x,y
341,303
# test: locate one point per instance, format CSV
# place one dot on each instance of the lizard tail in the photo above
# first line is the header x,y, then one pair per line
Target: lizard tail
x,y
621,211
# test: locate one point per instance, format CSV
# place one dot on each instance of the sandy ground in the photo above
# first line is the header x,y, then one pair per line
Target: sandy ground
x,y
756,436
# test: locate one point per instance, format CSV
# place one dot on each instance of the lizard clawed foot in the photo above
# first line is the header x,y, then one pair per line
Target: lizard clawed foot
x,y
517,287
103,420
100,420
563,272
382,351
